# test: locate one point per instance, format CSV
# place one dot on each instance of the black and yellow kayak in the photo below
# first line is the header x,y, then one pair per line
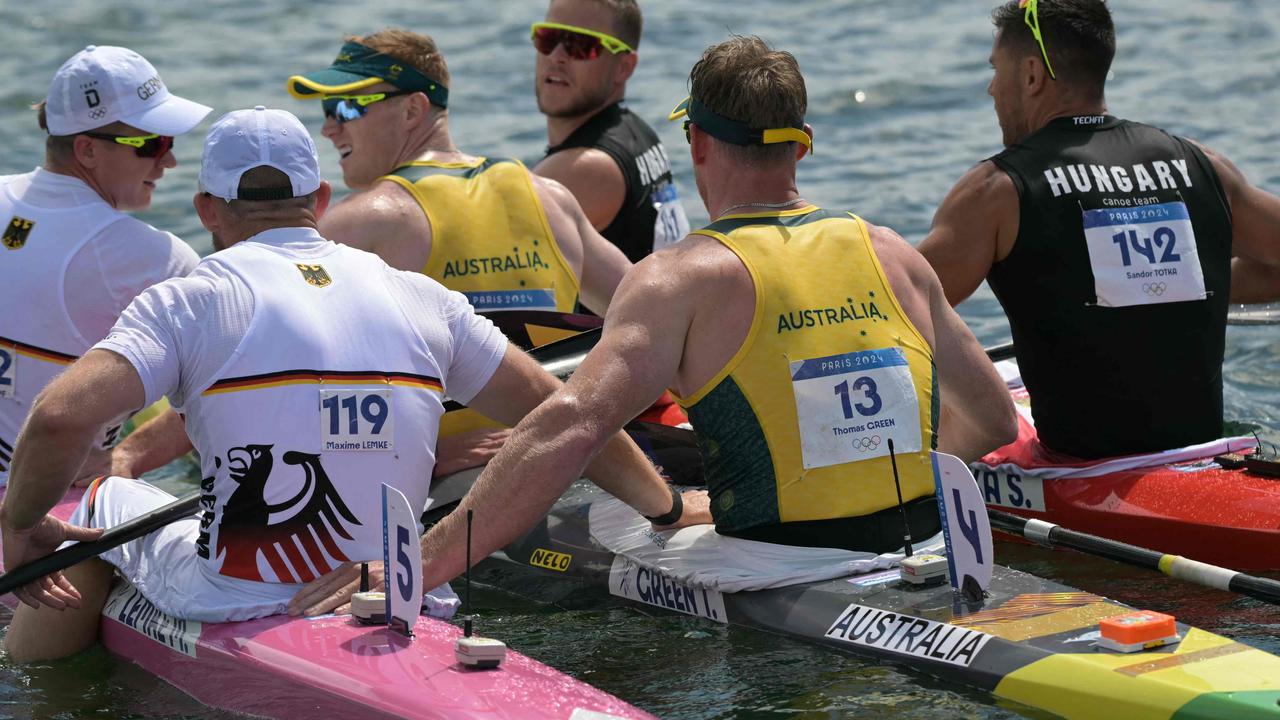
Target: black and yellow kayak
x,y
1030,640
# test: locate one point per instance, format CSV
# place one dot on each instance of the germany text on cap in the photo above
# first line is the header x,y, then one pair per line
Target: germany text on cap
x,y
103,84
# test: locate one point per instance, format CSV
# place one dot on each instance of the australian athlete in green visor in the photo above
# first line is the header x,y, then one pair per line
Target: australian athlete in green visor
x,y
1107,242
486,227
800,339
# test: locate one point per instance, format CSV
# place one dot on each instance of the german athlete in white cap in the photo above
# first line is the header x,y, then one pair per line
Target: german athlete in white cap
x,y
297,362
72,259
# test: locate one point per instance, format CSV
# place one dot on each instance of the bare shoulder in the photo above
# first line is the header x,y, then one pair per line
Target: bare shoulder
x,y
983,186
1230,175
896,255
695,264
579,166
552,192
384,210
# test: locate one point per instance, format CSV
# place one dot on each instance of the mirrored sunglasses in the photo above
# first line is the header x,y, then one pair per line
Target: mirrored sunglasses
x,y
345,108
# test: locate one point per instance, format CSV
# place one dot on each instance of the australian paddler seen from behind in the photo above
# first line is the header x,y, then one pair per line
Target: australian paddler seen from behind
x,y
388,344
758,393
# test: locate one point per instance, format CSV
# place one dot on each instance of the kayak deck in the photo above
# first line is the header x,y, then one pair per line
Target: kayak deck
x,y
331,666
1198,509
1029,641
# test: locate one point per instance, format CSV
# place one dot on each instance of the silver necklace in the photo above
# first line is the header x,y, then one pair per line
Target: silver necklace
x,y
771,206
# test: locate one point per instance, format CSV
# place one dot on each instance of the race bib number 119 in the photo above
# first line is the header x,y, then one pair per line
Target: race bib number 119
x,y
849,405
1143,255
356,420
8,372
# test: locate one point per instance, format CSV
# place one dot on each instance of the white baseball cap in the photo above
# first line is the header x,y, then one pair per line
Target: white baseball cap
x,y
103,84
246,139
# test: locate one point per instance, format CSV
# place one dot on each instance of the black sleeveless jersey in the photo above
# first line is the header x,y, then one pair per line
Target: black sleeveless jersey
x,y
638,227
1117,286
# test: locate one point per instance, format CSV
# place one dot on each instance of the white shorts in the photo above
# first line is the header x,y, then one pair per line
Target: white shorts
x,y
164,564
165,568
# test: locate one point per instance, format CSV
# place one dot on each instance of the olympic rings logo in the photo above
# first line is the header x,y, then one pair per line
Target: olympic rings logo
x,y
866,444
1156,288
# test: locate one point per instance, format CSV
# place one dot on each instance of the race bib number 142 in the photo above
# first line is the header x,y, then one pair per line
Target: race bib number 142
x,y
1143,255
850,405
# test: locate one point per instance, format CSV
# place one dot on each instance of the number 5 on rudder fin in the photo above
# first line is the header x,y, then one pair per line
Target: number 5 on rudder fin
x,y
402,558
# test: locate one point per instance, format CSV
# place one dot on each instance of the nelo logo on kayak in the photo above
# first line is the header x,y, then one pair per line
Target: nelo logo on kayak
x,y
907,635
551,560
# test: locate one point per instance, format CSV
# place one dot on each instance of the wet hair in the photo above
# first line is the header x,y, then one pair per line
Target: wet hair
x,y
745,79
628,24
411,48
1078,35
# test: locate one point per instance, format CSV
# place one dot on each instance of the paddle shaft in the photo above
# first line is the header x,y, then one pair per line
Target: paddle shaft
x,y
1175,566
183,507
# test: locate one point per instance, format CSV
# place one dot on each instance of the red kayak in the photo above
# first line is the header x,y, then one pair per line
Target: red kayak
x,y
1182,503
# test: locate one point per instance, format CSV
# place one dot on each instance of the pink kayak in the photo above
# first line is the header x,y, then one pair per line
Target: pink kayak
x,y
330,666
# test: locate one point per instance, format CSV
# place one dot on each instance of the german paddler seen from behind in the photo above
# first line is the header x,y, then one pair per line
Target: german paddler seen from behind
x,y
1107,242
799,339
298,362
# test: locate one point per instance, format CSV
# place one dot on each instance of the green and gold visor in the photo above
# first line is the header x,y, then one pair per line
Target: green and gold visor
x,y
358,67
735,132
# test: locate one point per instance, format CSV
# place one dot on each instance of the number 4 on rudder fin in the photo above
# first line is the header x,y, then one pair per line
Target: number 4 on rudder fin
x,y
965,526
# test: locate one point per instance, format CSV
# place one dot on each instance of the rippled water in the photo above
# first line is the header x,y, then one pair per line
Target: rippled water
x,y
897,97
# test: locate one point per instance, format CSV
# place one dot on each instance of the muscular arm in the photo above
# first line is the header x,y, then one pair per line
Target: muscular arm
x,y
1253,281
977,415
384,220
636,359
594,179
66,417
1255,226
602,264
974,228
158,442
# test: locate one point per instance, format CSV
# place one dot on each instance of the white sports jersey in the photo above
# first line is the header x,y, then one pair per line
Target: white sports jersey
x,y
309,373
69,264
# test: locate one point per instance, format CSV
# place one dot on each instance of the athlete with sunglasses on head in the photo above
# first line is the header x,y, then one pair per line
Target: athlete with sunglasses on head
x,y
1107,242
72,260
608,157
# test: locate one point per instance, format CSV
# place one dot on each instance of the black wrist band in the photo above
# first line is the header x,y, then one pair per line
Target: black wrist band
x,y
677,509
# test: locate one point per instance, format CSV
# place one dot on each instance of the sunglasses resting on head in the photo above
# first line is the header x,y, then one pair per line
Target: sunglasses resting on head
x,y
579,43
146,146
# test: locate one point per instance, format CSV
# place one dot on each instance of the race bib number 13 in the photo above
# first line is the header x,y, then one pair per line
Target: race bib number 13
x,y
849,406
356,420
8,372
1143,255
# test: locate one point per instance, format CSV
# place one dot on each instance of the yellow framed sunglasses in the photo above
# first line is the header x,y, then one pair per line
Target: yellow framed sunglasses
x,y
579,42
1032,18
